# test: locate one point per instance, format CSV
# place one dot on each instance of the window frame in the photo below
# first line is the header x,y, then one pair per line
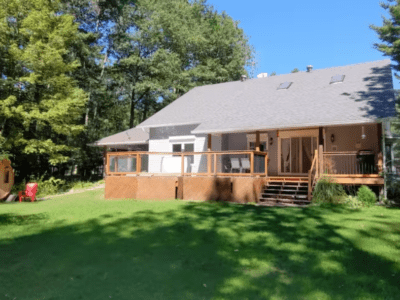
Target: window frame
x,y
251,138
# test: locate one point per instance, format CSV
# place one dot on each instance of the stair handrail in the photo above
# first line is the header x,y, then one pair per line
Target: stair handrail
x,y
311,177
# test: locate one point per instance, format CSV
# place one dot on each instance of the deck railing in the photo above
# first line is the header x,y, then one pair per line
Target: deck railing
x,y
349,163
221,163
312,174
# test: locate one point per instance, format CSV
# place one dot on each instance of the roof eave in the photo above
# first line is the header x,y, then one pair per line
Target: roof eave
x,y
118,143
252,129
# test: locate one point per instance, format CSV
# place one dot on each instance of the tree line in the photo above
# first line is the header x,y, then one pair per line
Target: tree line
x,y
72,72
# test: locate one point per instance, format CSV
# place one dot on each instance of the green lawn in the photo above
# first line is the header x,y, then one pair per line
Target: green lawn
x,y
84,247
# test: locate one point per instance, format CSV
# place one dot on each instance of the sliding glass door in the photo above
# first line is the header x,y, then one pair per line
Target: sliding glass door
x,y
297,154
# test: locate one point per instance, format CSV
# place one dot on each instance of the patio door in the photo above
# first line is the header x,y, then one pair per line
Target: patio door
x,y
296,153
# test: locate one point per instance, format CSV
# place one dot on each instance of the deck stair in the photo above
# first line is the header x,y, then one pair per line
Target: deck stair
x,y
288,192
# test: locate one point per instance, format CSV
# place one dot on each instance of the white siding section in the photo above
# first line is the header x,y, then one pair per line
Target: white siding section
x,y
162,139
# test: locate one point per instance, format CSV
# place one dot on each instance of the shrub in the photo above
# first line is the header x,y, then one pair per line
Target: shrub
x,y
54,186
328,191
50,187
366,195
393,188
353,202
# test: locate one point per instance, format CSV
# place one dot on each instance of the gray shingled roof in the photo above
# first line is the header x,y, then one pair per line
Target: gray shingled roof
x,y
131,136
365,95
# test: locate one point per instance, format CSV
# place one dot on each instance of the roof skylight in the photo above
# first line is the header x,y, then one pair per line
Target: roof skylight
x,y
285,85
337,79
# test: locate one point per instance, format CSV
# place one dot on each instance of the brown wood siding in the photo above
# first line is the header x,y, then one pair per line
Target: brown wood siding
x,y
156,188
121,187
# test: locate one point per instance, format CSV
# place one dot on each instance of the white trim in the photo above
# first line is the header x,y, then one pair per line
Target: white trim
x,y
119,143
182,138
293,127
168,125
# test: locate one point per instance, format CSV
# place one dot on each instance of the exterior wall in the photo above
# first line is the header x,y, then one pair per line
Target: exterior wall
x,y
138,147
155,188
160,141
120,187
273,154
238,141
347,137
240,190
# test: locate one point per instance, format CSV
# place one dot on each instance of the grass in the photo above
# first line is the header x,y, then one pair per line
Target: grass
x,y
84,247
57,186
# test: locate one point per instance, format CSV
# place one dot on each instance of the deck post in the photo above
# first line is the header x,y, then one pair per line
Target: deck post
x,y
321,159
105,162
317,162
138,163
266,165
309,185
252,163
209,164
380,162
182,164
209,145
215,163
257,141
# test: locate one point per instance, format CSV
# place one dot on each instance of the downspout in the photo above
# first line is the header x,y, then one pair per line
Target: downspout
x,y
384,160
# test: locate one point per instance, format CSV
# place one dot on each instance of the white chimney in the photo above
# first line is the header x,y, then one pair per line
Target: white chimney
x,y
262,75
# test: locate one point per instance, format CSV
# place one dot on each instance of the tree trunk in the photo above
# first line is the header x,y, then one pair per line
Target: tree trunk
x,y
145,110
133,104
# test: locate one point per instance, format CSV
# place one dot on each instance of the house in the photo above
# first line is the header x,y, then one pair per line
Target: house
x,y
266,139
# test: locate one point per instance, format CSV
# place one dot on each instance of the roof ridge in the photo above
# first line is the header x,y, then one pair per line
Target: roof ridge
x,y
315,70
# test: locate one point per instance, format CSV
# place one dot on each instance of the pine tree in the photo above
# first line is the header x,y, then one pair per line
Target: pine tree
x,y
40,103
165,48
389,34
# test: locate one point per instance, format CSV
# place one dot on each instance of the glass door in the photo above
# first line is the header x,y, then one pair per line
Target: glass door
x,y
309,145
285,156
297,154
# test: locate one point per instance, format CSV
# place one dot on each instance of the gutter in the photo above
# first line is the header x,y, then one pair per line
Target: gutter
x,y
118,143
308,125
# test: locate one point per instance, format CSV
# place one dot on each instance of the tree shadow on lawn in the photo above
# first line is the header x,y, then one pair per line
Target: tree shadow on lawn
x,y
12,219
199,251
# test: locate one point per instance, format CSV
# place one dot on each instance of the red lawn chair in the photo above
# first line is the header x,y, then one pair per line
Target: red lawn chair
x,y
30,192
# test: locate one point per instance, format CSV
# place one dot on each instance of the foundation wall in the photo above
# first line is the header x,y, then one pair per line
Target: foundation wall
x,y
240,190
156,188
120,187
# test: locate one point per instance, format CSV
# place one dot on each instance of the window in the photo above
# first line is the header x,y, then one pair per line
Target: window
x,y
176,148
189,147
285,85
251,142
263,146
7,177
337,79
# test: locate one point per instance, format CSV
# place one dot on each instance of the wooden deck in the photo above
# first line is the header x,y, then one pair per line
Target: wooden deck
x,y
351,179
210,183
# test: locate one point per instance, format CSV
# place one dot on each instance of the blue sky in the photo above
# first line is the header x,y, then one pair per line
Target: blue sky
x,y
293,34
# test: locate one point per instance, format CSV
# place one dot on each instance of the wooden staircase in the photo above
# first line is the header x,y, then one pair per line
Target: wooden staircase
x,y
285,192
